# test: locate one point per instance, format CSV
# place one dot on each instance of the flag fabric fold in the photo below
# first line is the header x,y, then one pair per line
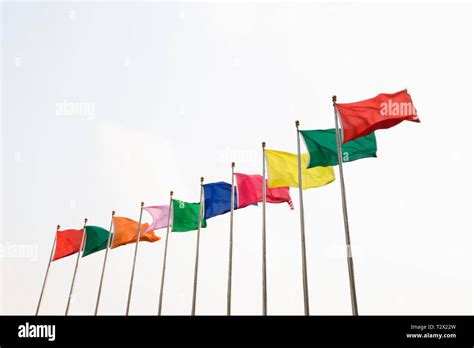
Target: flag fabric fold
x,y
217,199
68,242
322,148
250,191
96,240
383,111
283,171
126,232
160,214
185,216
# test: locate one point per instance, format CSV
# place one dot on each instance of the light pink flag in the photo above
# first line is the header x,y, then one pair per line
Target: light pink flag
x,y
160,216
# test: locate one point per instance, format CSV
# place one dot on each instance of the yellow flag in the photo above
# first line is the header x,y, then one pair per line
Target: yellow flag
x,y
283,171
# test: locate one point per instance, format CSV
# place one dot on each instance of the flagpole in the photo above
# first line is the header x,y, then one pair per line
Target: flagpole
x,y
134,259
103,265
47,271
264,237
350,263
76,267
165,255
231,240
303,239
193,310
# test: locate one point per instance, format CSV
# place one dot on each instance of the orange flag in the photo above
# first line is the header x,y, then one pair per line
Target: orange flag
x,y
126,230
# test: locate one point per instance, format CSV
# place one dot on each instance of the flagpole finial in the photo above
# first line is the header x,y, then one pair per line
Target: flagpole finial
x,y
171,193
142,204
113,212
263,144
297,123
233,164
334,98
202,179
58,227
85,221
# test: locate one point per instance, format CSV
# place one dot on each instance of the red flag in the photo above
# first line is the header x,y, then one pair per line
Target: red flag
x,y
249,191
68,242
384,111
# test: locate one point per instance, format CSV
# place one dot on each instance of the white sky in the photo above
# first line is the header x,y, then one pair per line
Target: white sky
x,y
179,91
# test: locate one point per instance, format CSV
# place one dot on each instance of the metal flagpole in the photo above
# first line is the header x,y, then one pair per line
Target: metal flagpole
x,y
193,310
134,259
165,255
303,240
103,265
47,271
77,266
231,240
264,237
350,263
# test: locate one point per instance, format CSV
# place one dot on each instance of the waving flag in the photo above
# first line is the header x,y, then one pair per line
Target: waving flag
x,y
217,199
126,232
283,171
68,242
160,215
384,111
96,240
322,148
250,191
185,216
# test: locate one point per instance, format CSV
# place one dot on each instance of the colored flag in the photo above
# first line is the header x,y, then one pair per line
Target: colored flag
x,y
185,216
96,240
322,148
283,171
68,242
160,214
249,191
384,111
126,232
217,199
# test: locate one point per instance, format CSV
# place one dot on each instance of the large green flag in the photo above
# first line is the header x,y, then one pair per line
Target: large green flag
x,y
185,216
96,239
322,148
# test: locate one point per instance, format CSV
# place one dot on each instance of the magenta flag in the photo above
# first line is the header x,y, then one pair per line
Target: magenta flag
x,y
160,216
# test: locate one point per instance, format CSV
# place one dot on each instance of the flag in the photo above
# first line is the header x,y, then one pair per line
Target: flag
x,y
322,148
185,216
96,240
217,199
249,191
68,242
126,232
384,111
283,171
160,214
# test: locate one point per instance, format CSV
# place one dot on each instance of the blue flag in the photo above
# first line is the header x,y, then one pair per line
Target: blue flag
x,y
217,199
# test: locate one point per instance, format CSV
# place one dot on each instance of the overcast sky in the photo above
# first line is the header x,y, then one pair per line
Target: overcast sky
x,y
164,93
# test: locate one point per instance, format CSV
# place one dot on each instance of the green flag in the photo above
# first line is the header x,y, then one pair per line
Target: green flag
x,y
185,216
322,148
96,239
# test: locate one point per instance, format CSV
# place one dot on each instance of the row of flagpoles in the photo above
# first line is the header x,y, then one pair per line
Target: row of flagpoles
x,y
358,120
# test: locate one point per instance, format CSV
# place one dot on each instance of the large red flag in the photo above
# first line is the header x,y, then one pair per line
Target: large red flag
x,y
384,111
68,242
249,191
